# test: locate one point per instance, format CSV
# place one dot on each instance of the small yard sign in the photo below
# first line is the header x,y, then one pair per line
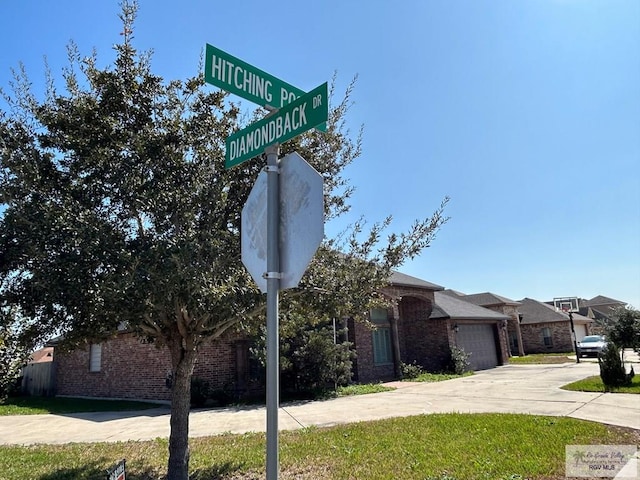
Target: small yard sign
x,y
118,472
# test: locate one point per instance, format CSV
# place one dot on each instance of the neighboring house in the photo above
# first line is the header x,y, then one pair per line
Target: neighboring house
x,y
38,376
544,329
43,355
423,327
501,305
599,308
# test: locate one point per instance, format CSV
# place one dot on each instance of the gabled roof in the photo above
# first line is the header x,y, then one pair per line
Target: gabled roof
x,y
447,306
488,298
602,300
453,293
533,311
398,278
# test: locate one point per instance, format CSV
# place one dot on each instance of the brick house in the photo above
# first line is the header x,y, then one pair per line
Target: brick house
x,y
125,367
546,330
422,327
599,308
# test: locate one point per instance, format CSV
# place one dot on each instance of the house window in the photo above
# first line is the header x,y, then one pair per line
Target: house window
x,y
381,337
95,357
546,336
382,346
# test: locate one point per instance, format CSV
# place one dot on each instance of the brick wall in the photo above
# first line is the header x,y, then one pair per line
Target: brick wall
x,y
533,340
513,329
131,369
426,341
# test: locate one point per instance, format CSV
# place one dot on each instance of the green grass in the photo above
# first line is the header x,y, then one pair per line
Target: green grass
x,y
437,377
543,358
362,389
594,384
426,447
61,405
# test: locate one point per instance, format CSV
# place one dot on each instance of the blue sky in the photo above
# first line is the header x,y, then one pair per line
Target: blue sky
x,y
525,112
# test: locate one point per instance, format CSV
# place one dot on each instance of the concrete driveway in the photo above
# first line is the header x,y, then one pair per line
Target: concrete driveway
x,y
532,389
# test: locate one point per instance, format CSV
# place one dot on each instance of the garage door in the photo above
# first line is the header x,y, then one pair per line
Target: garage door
x,y
479,341
581,331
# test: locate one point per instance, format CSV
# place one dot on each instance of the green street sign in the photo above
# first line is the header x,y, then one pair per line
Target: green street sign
x,y
302,114
246,81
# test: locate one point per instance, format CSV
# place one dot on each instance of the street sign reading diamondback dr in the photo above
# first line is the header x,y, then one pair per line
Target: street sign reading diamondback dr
x,y
304,113
246,81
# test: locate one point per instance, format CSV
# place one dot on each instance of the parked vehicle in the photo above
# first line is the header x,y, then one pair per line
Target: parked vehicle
x,y
591,345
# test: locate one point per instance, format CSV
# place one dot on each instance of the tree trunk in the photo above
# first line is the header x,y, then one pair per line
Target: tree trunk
x,y
183,363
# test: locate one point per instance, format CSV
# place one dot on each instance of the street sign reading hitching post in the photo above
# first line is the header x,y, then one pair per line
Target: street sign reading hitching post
x,y
249,82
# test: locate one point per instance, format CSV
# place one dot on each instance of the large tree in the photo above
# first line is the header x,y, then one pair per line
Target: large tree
x,y
118,208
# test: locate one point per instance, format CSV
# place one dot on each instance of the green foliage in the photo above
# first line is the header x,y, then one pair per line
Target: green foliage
x,y
624,329
459,361
612,369
313,358
14,353
199,392
411,370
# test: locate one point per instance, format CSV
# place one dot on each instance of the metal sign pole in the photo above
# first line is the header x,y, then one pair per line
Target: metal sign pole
x,y
273,288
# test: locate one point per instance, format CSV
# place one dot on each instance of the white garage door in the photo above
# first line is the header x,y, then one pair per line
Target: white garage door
x,y
479,342
581,331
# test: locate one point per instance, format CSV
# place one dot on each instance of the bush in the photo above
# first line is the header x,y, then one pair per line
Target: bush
x,y
459,361
612,371
411,370
221,397
199,392
313,358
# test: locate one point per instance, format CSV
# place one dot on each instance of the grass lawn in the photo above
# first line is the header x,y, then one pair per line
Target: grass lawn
x,y
437,377
60,405
543,358
426,447
594,384
363,389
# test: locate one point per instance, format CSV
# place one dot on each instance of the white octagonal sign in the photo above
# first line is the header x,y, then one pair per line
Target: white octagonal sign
x,y
301,222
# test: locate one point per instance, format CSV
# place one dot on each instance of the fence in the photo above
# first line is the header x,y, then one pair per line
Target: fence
x,y
39,379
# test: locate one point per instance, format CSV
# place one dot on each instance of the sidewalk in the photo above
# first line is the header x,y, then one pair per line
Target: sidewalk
x,y
531,389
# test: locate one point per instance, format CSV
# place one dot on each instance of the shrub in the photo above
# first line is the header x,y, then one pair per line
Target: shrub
x,y
313,358
411,370
199,392
612,371
459,361
221,397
